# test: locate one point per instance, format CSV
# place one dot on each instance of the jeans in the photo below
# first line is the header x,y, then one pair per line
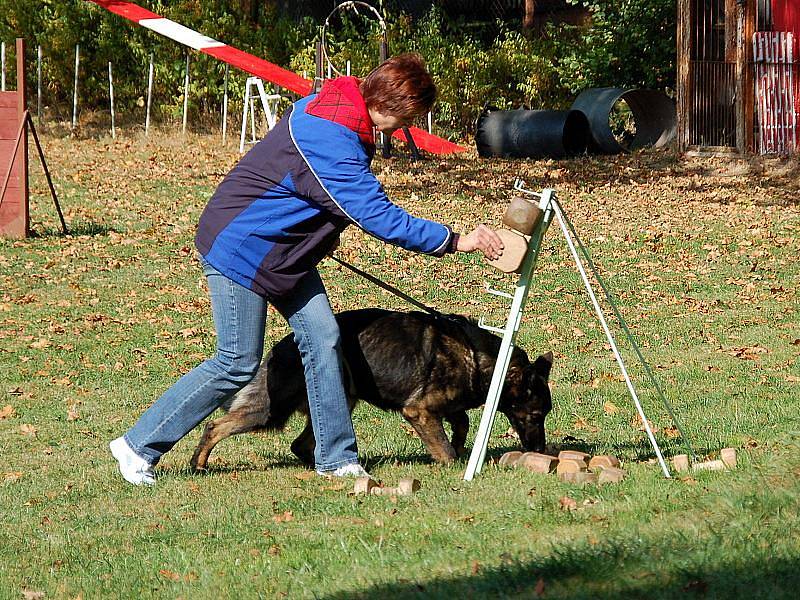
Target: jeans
x,y
240,319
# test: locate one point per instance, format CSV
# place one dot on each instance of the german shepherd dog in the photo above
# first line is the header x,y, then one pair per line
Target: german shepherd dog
x,y
429,368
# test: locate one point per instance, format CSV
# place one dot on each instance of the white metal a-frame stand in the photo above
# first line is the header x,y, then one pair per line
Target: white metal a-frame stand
x,y
548,204
269,102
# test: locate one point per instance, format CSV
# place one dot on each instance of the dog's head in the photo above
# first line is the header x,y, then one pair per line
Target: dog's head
x,y
528,403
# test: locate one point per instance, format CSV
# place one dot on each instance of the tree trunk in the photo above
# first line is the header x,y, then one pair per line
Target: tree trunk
x,y
527,18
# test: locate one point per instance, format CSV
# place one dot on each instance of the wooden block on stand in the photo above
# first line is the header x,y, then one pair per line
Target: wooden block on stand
x,y
514,251
538,463
522,215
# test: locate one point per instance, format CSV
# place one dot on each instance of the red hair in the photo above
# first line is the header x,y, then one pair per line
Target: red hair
x,y
400,86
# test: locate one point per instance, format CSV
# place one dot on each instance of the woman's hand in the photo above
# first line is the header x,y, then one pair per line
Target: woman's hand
x,y
481,238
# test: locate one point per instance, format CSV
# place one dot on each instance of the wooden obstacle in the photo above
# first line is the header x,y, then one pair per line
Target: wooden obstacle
x,y
14,218
15,122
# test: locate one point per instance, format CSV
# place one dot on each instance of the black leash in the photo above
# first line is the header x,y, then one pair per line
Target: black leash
x,y
388,288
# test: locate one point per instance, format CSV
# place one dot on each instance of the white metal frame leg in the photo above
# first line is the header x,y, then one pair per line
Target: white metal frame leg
x,y
610,337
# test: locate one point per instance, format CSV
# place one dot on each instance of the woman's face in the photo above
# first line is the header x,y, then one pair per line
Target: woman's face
x,y
387,124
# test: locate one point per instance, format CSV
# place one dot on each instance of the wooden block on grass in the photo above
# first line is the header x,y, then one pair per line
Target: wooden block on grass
x,y
575,455
538,463
603,462
681,463
728,456
568,465
580,477
709,465
509,459
610,475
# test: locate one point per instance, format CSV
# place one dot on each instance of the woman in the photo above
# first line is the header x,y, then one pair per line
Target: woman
x,y
272,219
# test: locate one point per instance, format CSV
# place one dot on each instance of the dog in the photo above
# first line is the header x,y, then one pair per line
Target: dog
x,y
428,367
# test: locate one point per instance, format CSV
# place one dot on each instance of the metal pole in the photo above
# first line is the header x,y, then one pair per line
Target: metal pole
x,y
75,88
610,338
39,84
111,98
225,105
149,96
348,68
185,93
430,122
2,66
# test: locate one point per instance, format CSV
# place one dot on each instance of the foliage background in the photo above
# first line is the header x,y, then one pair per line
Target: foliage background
x,y
627,43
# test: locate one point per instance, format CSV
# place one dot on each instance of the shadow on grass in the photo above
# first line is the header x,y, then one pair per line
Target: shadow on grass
x,y
625,568
73,230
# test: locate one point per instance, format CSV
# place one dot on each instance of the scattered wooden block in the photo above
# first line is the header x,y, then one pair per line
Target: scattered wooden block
x,y
522,215
580,477
710,465
538,463
509,459
514,249
728,456
610,475
568,465
681,463
364,485
603,461
406,487
581,457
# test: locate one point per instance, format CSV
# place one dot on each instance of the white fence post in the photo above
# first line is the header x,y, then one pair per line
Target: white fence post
x,y
2,66
111,98
39,83
185,93
149,97
75,88
225,104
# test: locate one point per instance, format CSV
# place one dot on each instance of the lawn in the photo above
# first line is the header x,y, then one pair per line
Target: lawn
x,y
701,256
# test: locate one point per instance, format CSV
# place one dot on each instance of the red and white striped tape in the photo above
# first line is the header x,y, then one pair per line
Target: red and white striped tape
x,y
248,63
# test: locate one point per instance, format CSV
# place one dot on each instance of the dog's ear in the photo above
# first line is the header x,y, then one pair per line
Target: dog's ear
x,y
543,364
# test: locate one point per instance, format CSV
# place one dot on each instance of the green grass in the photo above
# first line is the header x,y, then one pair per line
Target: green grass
x,y
95,325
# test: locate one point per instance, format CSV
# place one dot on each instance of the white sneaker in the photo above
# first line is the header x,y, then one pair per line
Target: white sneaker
x,y
133,467
351,470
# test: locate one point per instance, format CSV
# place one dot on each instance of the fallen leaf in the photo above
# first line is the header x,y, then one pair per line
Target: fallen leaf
x,y
12,476
29,430
568,503
72,413
6,412
274,550
169,575
476,566
284,518
305,475
610,408
31,595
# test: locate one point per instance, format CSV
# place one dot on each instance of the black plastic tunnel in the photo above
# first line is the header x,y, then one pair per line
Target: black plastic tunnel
x,y
653,112
532,133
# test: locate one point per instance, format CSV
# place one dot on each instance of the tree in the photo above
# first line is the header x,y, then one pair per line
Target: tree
x,y
527,18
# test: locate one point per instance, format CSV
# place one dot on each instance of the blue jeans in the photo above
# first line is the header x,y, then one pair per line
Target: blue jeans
x,y
240,317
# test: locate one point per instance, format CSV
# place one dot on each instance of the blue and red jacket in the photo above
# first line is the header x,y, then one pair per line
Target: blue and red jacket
x,y
281,208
